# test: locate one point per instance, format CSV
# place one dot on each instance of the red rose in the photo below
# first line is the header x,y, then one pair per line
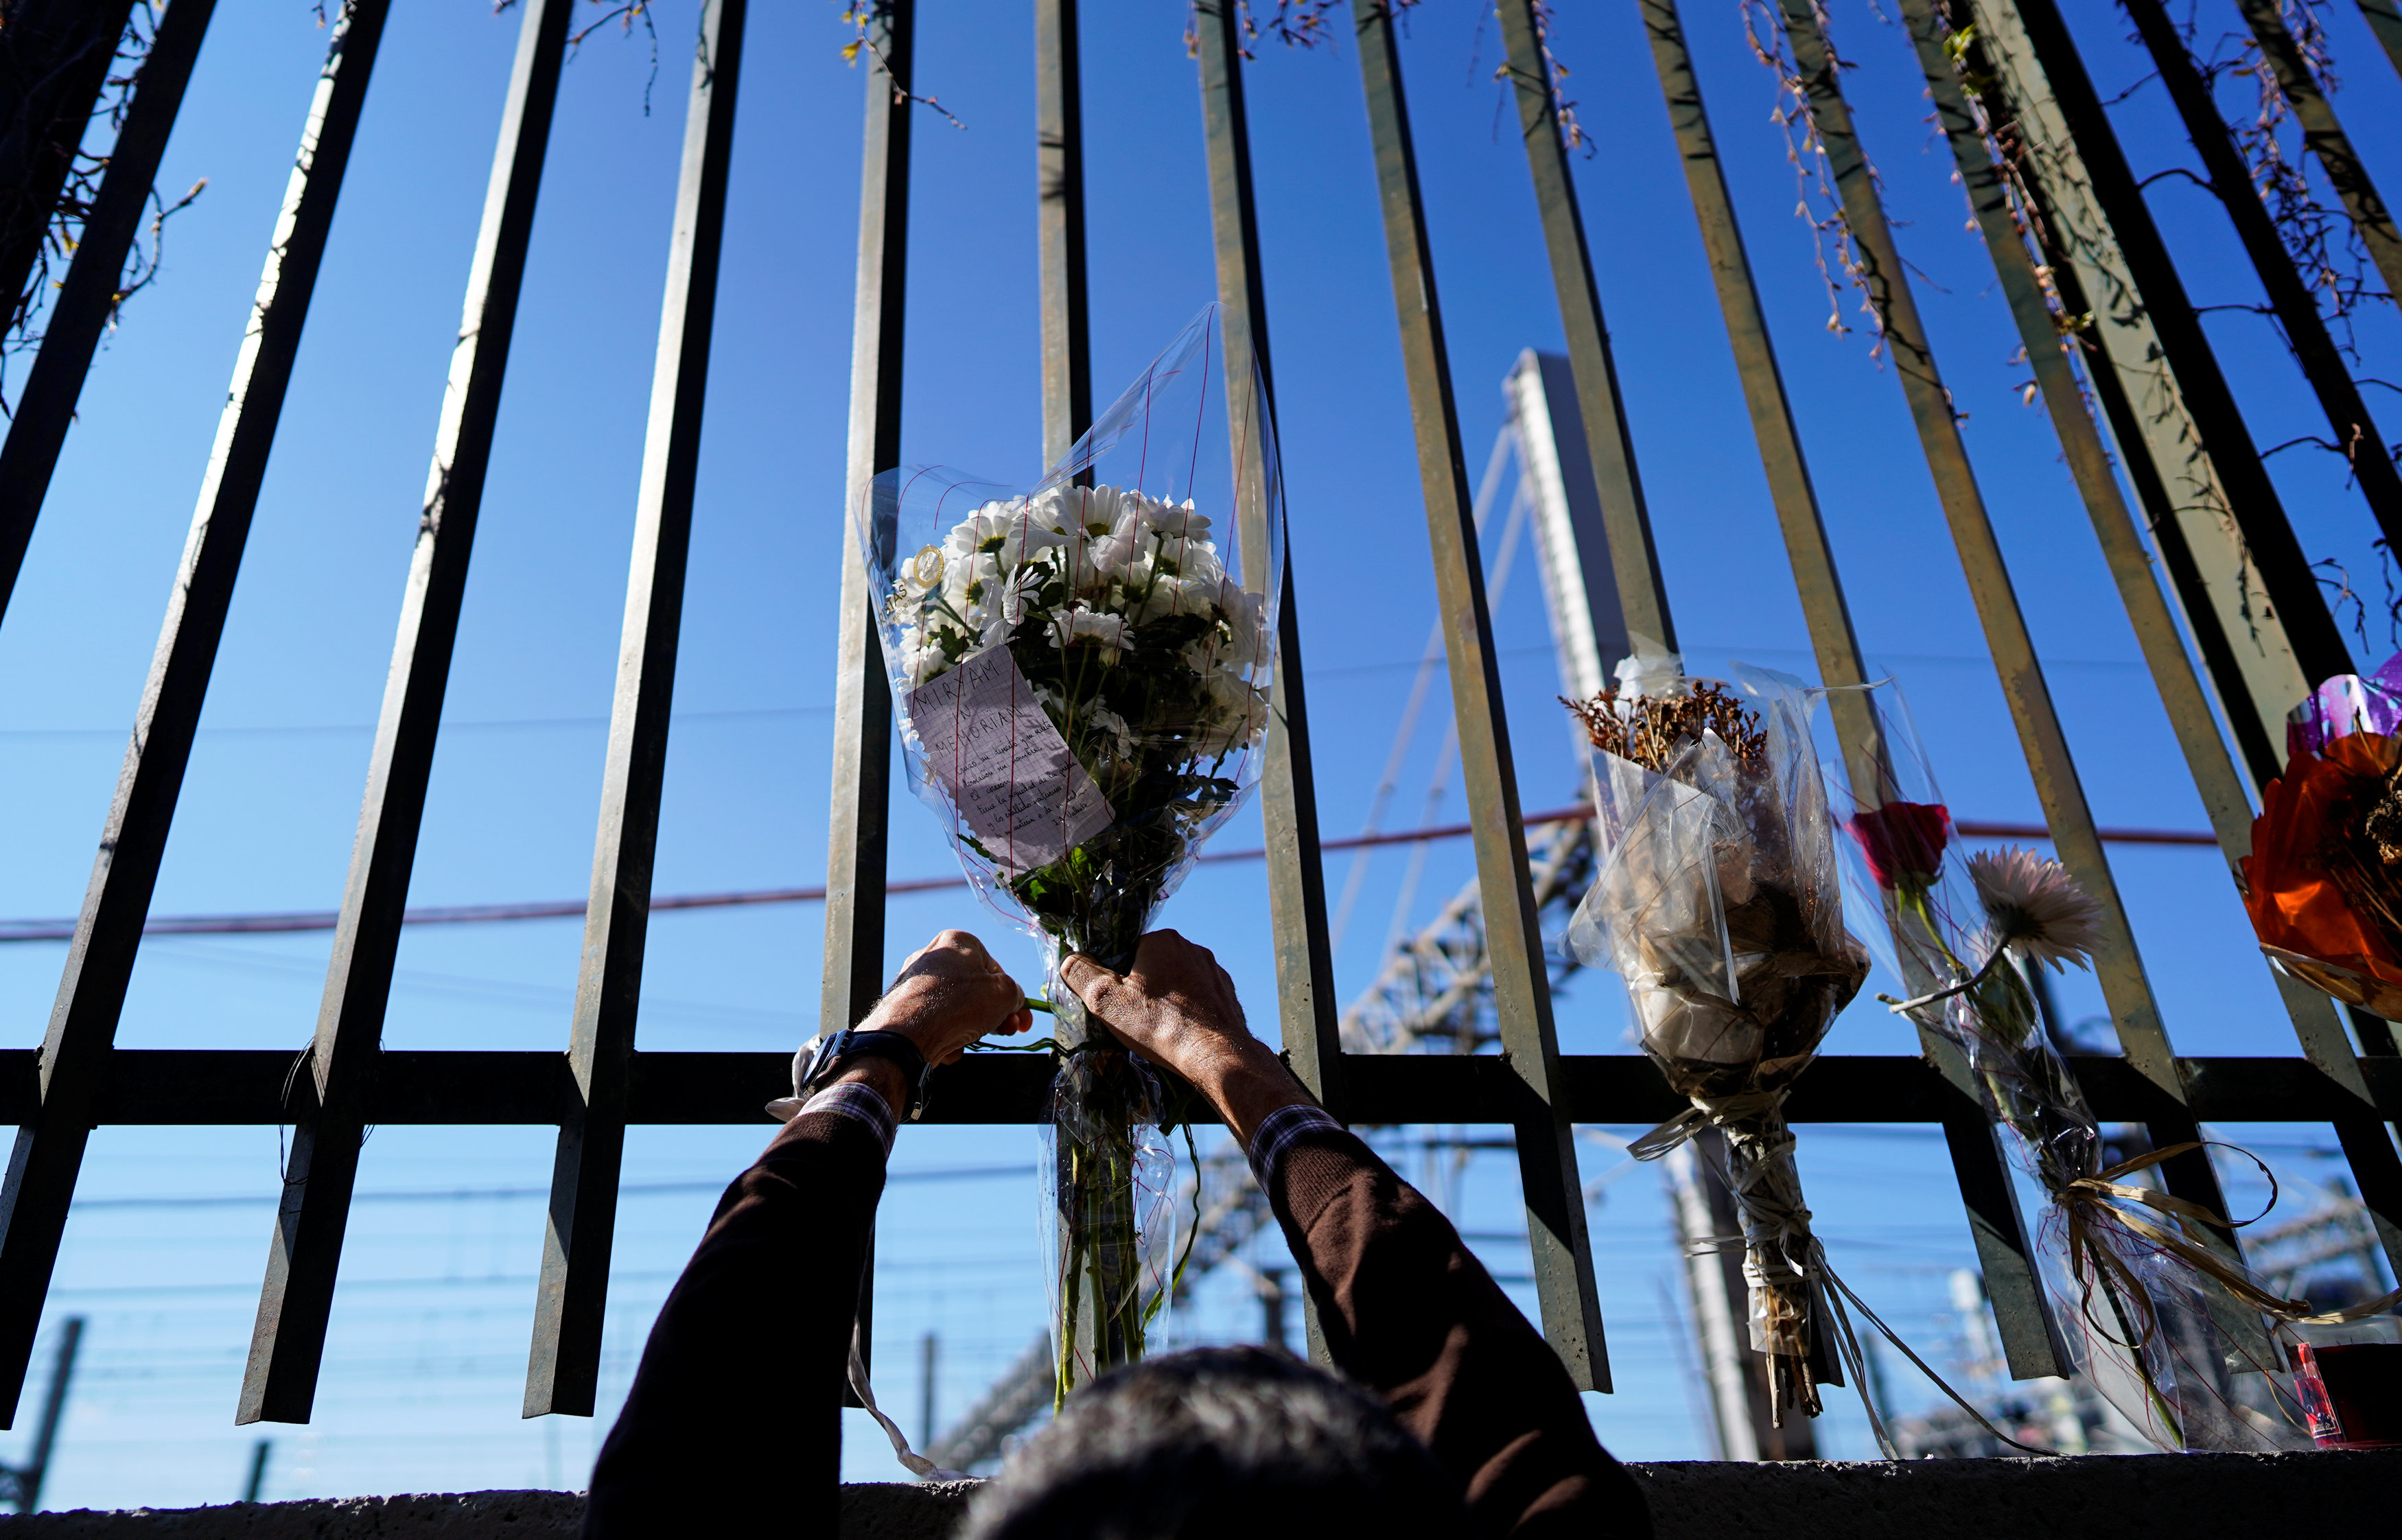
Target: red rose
x,y
1903,841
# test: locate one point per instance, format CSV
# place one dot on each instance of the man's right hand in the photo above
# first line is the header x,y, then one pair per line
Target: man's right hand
x,y
1177,1008
950,993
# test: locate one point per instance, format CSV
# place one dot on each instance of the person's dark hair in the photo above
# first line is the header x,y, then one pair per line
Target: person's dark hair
x,y
1237,1441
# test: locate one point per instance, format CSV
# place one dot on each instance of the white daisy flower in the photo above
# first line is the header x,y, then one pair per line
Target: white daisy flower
x,y
1007,532
1081,625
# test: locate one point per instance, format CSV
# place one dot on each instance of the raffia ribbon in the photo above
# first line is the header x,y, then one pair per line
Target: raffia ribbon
x,y
2087,1199
1704,1113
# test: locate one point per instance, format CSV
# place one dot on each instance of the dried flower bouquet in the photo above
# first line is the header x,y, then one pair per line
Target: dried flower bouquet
x,y
1717,898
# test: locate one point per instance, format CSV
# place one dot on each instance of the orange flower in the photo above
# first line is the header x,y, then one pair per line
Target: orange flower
x,y
2298,907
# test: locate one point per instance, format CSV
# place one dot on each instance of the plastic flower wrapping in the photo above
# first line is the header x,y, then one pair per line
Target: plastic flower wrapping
x,y
2154,1320
1081,674
2324,881
1716,897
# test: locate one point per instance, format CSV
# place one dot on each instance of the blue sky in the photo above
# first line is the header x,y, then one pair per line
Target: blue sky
x,y
422,1386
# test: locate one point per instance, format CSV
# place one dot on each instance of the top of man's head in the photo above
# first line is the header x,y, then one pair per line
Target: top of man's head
x,y
1237,1441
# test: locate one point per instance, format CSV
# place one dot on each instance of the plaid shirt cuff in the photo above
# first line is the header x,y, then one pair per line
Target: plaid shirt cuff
x,y
1276,1133
859,1100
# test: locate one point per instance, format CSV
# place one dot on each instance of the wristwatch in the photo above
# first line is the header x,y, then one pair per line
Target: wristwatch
x,y
824,1057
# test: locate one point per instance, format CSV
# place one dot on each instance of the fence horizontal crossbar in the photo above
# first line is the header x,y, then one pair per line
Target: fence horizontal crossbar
x,y
207,1087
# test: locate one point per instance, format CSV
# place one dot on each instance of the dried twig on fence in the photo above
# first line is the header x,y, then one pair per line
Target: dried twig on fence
x,y
2322,241
625,15
1555,79
1820,203
1294,23
22,331
865,19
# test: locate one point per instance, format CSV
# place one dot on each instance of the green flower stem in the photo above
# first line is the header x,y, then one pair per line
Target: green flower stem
x,y
1100,1242
1911,900
2031,1102
1963,987
934,597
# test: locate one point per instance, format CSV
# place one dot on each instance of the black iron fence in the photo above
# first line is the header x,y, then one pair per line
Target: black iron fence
x,y
2065,225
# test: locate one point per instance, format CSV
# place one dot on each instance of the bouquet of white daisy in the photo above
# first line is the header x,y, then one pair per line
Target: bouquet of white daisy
x,y
1082,673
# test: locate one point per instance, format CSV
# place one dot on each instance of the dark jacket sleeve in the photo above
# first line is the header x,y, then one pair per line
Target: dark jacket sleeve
x,y
1411,1314
735,1414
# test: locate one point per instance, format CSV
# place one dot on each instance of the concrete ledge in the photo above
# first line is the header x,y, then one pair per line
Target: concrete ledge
x,y
2101,1497
871,1511
462,1516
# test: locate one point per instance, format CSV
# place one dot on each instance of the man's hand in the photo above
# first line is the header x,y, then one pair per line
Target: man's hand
x,y
1177,1008
950,993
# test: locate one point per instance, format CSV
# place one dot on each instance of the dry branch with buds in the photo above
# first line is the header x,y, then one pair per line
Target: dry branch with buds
x,y
1650,729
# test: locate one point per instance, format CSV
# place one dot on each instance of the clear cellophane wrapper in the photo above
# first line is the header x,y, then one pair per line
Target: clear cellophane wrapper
x,y
1081,672
1109,1211
1717,899
2132,1317
2323,882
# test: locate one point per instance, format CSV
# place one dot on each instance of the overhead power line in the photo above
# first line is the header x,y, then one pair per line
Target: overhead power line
x,y
462,1194
485,725
280,922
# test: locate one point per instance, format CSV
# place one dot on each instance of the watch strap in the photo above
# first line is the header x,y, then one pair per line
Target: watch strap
x,y
827,1056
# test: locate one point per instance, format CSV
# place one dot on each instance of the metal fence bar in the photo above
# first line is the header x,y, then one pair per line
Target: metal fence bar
x,y
1065,325
2189,709
1642,596
2266,597
2322,135
87,300
564,1368
2289,295
859,828
1833,645
304,1255
2249,596
2375,1166
1304,964
2189,509
223,1087
1994,1220
862,714
50,1146
1059,219
1522,997
2117,962
2384,19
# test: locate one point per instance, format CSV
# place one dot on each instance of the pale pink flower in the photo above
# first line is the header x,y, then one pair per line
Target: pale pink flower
x,y
2035,908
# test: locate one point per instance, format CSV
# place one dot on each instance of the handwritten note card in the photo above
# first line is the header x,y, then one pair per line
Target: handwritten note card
x,y
1008,770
